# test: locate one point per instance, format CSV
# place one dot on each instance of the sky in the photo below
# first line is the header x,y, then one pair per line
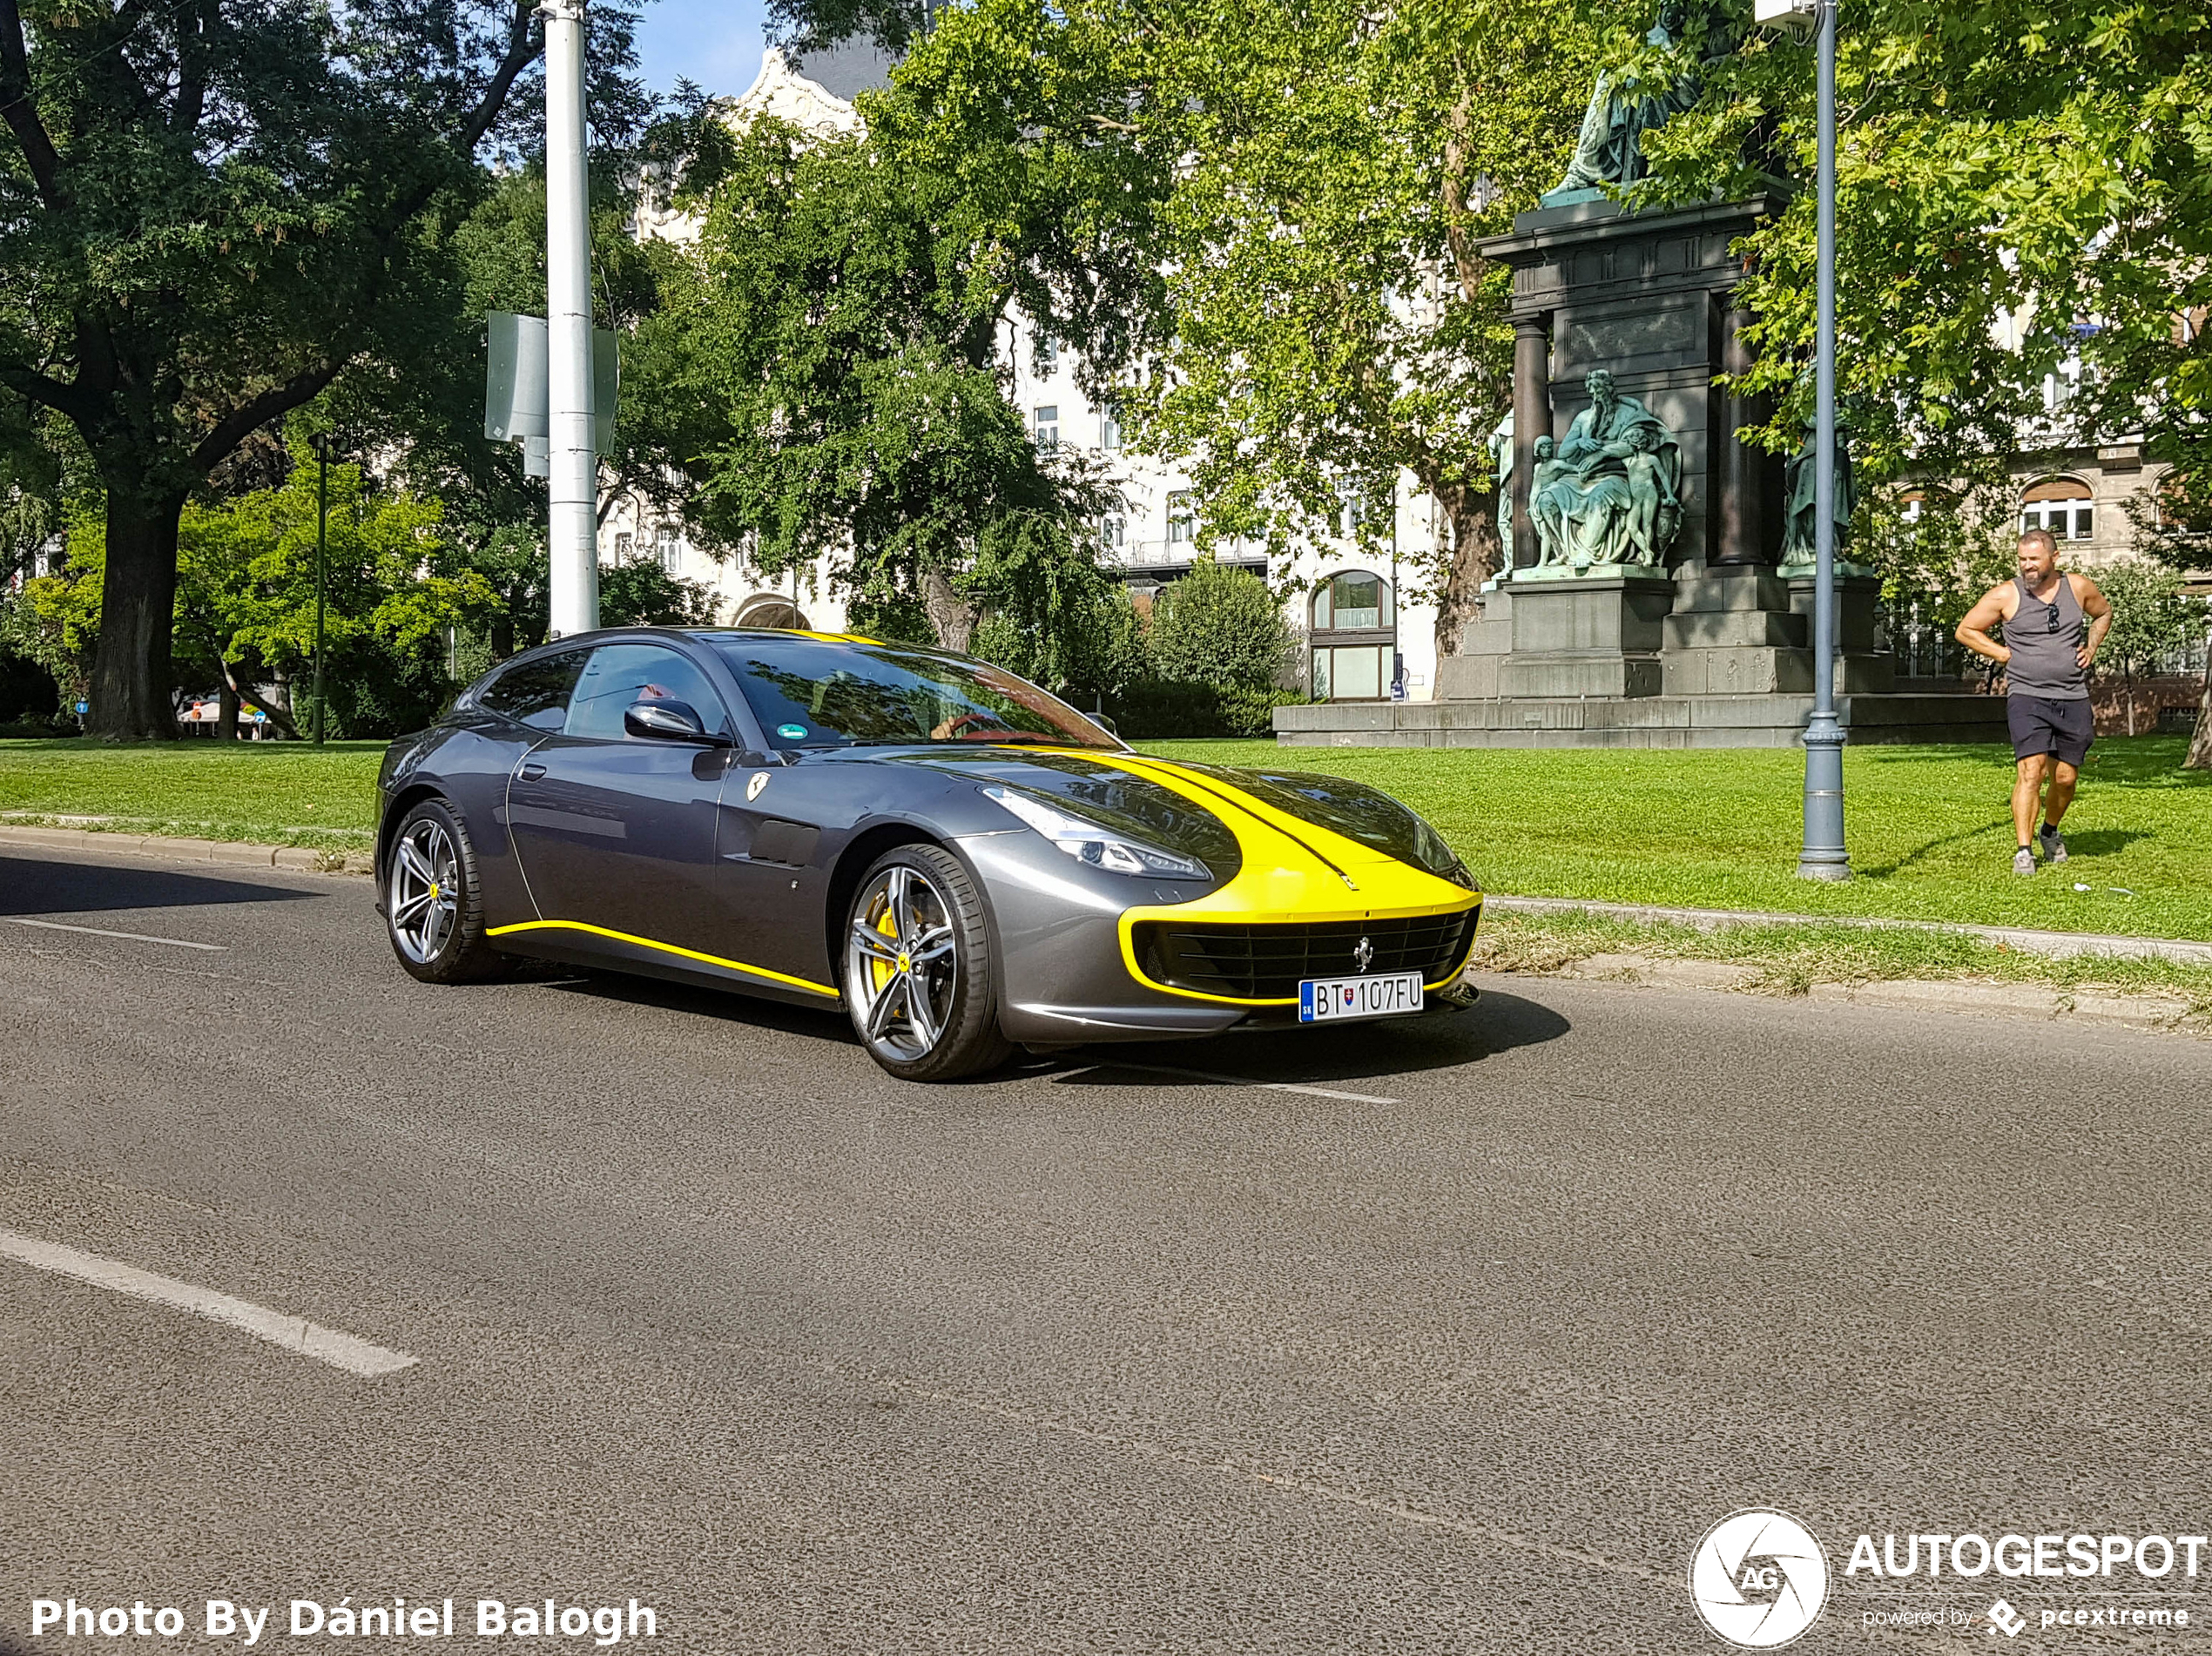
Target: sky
x,y
716,42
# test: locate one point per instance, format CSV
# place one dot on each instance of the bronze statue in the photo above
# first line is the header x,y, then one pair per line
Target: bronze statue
x,y
1799,550
1609,495
1610,150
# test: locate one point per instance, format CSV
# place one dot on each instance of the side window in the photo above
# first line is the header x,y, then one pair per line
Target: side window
x,y
536,692
621,674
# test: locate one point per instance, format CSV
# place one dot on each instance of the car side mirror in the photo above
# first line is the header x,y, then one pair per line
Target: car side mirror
x,y
669,722
1104,723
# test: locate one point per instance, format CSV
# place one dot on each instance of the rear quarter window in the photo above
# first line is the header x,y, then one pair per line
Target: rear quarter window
x,y
536,692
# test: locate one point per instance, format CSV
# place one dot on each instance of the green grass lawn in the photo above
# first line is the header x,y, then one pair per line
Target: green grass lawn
x,y
1929,833
277,793
1928,828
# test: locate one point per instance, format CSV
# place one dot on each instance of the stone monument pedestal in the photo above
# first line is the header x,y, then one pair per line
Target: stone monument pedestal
x,y
1858,668
1733,633
1597,633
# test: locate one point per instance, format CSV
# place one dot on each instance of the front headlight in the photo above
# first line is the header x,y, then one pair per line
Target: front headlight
x,y
1100,847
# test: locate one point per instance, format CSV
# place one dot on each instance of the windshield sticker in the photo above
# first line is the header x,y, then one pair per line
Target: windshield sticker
x,y
792,732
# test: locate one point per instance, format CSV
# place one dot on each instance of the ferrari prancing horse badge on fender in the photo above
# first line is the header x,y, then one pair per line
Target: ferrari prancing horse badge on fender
x,y
754,785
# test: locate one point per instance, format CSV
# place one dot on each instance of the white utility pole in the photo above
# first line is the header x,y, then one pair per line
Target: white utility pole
x,y
575,480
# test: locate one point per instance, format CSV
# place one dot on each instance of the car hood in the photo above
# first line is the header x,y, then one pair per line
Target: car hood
x,y
1188,808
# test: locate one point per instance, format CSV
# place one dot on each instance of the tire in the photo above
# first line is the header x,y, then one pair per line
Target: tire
x,y
919,983
433,906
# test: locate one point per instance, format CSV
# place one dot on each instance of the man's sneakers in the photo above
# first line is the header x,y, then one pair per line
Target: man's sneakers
x,y
2054,843
2023,861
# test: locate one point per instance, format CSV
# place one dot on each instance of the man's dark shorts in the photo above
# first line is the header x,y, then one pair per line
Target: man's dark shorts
x,y
2039,725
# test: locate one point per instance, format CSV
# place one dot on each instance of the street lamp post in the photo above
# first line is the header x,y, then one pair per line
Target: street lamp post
x,y
1824,856
574,482
321,441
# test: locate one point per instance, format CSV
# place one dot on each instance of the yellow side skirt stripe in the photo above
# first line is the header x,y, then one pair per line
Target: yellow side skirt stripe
x,y
665,948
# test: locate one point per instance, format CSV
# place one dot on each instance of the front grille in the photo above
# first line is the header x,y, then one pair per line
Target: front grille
x,y
1266,961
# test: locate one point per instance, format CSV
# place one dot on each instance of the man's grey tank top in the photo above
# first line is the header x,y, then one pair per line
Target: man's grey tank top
x,y
2042,663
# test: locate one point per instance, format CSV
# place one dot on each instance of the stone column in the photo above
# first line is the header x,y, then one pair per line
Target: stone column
x,y
1742,472
1532,418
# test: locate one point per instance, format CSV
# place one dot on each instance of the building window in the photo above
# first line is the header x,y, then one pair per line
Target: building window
x,y
1049,352
1353,601
626,547
1113,530
1182,519
1110,428
1047,425
1355,637
2062,505
1350,673
670,549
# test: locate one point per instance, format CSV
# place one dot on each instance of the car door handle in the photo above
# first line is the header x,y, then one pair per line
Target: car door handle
x,y
531,771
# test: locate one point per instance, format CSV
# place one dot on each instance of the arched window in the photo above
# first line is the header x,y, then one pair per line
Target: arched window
x,y
2061,505
1354,637
1353,601
773,609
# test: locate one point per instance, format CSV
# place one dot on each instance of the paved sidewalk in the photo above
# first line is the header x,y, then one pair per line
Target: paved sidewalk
x,y
235,853
2057,944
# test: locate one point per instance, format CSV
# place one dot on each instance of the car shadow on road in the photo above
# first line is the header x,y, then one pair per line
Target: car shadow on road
x,y
1344,1053
694,999
33,885
1498,1023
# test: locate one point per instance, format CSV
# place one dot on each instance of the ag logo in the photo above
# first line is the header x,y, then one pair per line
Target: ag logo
x,y
1759,1578
754,784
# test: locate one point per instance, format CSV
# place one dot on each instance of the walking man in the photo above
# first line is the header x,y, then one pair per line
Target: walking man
x,y
2053,623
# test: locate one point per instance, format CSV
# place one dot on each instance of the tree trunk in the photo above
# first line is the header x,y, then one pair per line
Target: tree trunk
x,y
2199,757
226,709
951,616
1476,554
130,695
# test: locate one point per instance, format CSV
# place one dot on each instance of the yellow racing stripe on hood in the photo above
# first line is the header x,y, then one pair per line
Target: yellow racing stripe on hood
x,y
1293,871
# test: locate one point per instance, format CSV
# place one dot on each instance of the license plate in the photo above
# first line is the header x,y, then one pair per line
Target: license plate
x,y
1322,1000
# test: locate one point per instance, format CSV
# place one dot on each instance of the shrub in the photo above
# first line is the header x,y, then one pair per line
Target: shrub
x,y
1158,709
1218,625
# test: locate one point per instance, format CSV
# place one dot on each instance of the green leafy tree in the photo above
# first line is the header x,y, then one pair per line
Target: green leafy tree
x,y
1051,612
2017,186
1334,323
210,212
245,599
2151,617
1218,624
640,593
844,343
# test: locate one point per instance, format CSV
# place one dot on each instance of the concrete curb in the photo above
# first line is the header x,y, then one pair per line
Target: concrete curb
x,y
2058,945
2153,1011
228,853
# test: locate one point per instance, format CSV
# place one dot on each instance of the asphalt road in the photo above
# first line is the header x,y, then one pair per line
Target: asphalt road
x,y
1461,1350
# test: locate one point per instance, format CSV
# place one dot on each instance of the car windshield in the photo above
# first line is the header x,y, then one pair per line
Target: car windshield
x,y
813,692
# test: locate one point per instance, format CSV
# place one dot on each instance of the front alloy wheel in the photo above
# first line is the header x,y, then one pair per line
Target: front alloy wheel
x,y
433,908
918,968
426,890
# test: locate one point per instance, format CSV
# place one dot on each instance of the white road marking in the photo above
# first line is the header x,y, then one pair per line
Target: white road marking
x,y
294,1334
95,931
1237,1081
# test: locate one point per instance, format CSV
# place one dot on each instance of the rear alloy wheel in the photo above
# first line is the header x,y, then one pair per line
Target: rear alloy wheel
x,y
432,909
918,972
